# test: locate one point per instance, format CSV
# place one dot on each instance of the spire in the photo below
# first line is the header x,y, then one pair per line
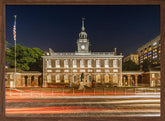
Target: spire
x,y
83,28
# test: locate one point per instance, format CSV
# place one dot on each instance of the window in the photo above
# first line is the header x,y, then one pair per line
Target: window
x,y
82,64
74,78
49,79
97,63
66,64
106,63
57,63
89,78
89,63
98,79
11,76
153,75
66,79
6,77
106,78
158,75
74,64
48,63
115,63
57,78
115,78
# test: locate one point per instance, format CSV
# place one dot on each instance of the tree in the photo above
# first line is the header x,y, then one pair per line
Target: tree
x,y
130,66
27,59
146,65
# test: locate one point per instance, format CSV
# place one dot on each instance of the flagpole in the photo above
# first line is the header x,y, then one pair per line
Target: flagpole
x,y
15,52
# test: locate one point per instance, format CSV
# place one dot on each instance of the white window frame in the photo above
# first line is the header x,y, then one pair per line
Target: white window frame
x,y
73,78
89,63
57,63
49,78
98,64
74,63
66,64
49,63
82,65
106,63
66,78
115,63
58,78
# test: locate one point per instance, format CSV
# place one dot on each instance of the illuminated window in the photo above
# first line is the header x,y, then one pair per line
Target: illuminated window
x,y
158,75
106,62
82,64
98,79
106,78
115,78
153,75
57,63
155,43
49,78
115,63
74,78
89,78
58,78
66,79
98,63
149,49
11,76
74,64
89,63
6,77
49,63
66,64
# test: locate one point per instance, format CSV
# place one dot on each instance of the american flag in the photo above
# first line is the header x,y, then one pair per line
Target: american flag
x,y
14,29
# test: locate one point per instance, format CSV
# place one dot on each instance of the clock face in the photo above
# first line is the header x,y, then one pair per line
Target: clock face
x,y
83,47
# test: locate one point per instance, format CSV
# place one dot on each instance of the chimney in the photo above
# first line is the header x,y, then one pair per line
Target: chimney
x,y
115,51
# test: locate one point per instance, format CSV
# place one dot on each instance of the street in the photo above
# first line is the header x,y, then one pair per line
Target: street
x,y
45,104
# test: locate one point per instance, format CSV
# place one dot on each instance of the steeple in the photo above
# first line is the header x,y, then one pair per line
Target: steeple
x,y
83,28
83,42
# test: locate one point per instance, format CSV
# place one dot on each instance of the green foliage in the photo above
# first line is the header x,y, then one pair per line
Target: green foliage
x,y
130,66
146,65
27,59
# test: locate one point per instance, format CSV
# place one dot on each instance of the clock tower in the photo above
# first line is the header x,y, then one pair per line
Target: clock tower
x,y
83,42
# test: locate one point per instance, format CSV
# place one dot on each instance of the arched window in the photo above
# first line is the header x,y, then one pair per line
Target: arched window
x,y
98,79
49,79
58,78
74,78
115,78
89,78
66,79
106,78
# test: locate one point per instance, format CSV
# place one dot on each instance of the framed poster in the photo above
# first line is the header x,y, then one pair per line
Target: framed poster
x,y
82,60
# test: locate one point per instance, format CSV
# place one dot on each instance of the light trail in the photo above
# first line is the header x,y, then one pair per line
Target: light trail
x,y
78,109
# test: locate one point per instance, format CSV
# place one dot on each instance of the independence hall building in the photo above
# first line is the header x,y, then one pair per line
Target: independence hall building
x,y
82,65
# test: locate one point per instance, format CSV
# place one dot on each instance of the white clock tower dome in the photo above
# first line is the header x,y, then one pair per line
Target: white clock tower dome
x,y
83,42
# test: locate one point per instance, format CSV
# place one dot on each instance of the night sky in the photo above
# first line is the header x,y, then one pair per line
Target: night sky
x,y
57,27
